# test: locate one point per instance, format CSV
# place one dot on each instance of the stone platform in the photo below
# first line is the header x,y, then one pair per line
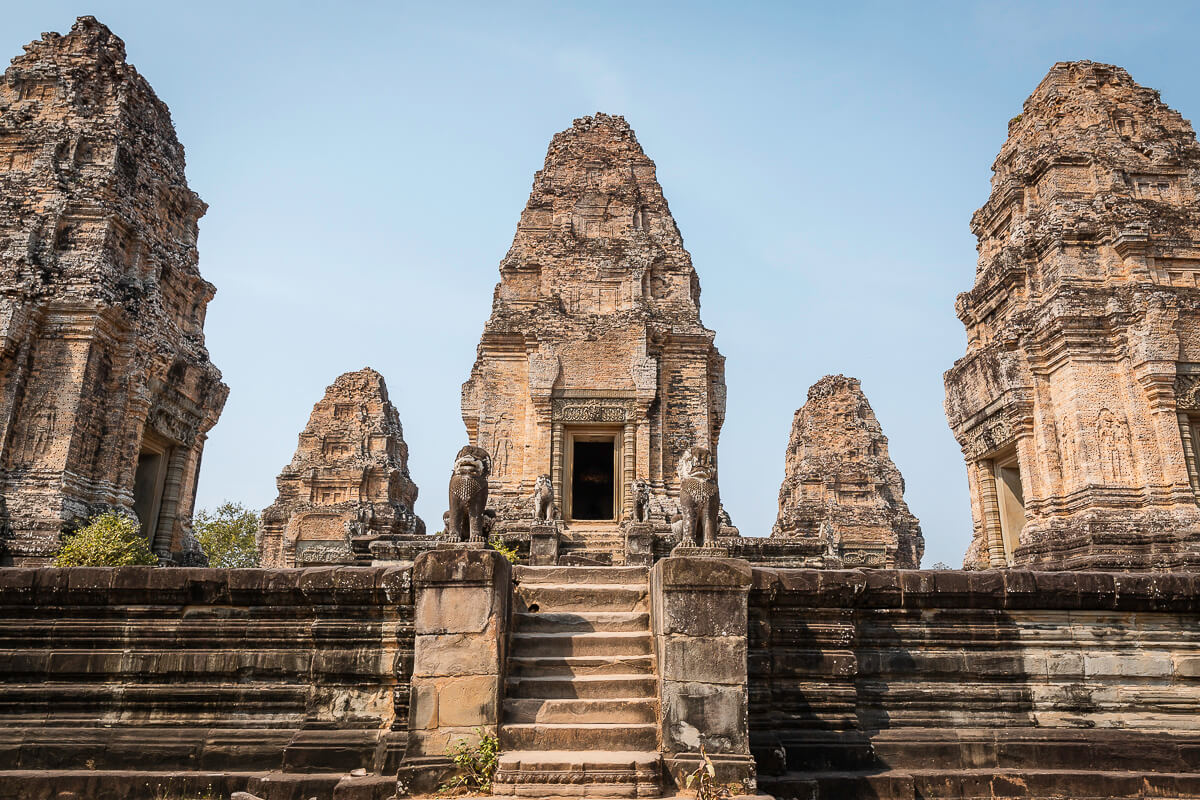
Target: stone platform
x,y
810,683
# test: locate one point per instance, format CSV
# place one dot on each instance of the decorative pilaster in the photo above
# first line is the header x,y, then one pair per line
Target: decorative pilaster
x,y
991,512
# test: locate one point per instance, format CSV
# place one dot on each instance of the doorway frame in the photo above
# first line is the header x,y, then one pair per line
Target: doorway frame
x,y
592,433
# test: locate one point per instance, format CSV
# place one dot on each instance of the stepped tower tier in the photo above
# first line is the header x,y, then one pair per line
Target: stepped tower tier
x,y
594,367
1077,403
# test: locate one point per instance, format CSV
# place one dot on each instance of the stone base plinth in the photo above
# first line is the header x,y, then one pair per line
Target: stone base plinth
x,y
543,544
732,770
639,544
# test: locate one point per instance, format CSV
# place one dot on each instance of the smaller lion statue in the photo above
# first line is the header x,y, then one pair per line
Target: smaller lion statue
x,y
468,495
543,500
699,500
641,501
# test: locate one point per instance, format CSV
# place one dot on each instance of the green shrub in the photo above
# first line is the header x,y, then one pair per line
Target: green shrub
x,y
107,540
476,763
229,537
508,552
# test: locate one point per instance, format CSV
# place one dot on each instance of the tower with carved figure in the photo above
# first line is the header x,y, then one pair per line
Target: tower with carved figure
x,y
594,367
1076,405
107,392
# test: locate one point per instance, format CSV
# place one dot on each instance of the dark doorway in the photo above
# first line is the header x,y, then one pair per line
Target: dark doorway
x,y
147,491
592,480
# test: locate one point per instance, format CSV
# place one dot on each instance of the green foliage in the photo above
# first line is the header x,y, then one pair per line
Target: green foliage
x,y
107,540
940,565
476,763
1015,119
508,552
229,537
704,780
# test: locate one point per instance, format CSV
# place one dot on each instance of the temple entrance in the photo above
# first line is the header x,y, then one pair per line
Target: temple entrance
x,y
149,482
1010,501
592,477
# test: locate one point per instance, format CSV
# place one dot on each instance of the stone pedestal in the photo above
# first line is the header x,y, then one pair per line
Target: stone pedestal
x,y
698,614
639,544
543,544
460,629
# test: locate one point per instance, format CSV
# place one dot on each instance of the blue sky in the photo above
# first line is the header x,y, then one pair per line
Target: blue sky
x,y
365,165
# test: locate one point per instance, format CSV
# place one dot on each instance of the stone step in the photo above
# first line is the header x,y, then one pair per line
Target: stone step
x,y
581,621
625,710
598,542
578,774
580,666
629,575
587,558
578,736
558,597
605,643
583,686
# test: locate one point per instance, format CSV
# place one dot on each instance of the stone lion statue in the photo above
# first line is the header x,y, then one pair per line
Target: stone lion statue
x,y
543,500
468,495
641,500
699,500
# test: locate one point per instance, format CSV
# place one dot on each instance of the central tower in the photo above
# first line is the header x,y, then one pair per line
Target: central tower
x,y
594,367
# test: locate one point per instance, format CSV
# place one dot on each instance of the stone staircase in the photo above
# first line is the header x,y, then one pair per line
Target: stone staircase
x,y
583,544
580,714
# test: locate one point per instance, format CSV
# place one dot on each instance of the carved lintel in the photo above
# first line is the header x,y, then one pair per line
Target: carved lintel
x,y
593,410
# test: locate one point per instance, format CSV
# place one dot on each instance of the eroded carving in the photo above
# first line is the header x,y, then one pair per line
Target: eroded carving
x,y
468,495
543,500
699,499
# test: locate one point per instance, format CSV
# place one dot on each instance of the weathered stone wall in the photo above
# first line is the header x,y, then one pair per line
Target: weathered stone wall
x,y
860,683
237,671
106,388
965,684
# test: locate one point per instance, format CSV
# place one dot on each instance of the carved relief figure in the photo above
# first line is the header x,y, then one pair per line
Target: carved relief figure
x,y
641,501
1113,436
1068,451
501,443
543,500
468,495
699,500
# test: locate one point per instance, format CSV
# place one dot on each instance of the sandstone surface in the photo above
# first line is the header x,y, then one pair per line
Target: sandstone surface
x,y
594,367
841,487
106,388
348,485
1076,404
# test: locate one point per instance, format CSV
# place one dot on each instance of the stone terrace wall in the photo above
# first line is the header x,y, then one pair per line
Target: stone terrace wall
x,y
889,683
141,668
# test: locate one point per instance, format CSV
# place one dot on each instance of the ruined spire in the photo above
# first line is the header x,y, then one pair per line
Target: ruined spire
x,y
348,484
596,235
841,486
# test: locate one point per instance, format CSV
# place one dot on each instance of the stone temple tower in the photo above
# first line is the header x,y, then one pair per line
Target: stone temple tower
x,y
841,491
1077,405
347,490
594,367
106,388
